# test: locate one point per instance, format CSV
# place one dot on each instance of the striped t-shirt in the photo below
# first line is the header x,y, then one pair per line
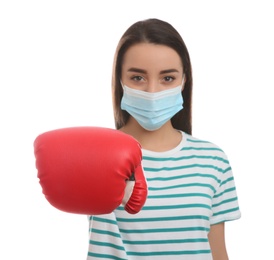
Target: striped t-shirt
x,y
189,188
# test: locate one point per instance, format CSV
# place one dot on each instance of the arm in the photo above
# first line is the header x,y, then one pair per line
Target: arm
x,y
216,239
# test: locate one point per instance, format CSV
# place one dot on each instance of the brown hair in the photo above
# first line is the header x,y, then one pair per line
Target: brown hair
x,y
157,32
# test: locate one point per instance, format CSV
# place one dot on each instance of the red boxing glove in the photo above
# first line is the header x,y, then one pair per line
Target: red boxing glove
x,y
85,170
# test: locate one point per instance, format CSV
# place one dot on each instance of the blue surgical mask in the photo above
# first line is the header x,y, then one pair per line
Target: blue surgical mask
x,y
152,110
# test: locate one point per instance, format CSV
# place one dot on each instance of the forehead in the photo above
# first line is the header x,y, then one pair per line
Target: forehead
x,y
148,55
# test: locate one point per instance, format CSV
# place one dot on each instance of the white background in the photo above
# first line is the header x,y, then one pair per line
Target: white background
x,y
55,71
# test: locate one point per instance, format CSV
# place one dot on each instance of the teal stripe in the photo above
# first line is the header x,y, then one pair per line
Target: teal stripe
x,y
104,232
162,218
181,195
97,243
183,186
186,252
225,201
185,158
163,207
163,230
105,220
184,176
201,149
225,191
158,242
105,256
227,169
183,167
197,141
225,211
227,180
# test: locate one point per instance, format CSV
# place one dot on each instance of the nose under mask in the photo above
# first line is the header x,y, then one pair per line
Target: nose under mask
x,y
152,110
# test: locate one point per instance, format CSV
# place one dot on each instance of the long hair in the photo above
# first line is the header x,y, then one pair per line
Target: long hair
x,y
157,32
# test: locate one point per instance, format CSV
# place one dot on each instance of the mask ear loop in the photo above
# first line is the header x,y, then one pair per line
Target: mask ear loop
x,y
183,81
122,85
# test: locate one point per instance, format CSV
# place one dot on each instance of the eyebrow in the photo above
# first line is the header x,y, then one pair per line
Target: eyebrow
x,y
145,72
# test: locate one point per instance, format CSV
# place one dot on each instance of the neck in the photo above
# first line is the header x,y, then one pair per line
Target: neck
x,y
163,139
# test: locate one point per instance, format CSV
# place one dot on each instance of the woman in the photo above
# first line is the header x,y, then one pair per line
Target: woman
x,y
190,182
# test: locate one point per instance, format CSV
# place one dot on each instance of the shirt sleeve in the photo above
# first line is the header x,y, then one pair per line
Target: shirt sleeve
x,y
225,206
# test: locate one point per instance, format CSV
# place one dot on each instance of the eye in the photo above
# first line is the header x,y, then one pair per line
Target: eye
x,y
168,79
137,78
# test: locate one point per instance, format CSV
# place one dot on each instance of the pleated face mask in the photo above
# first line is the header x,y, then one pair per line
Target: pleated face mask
x,y
152,110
